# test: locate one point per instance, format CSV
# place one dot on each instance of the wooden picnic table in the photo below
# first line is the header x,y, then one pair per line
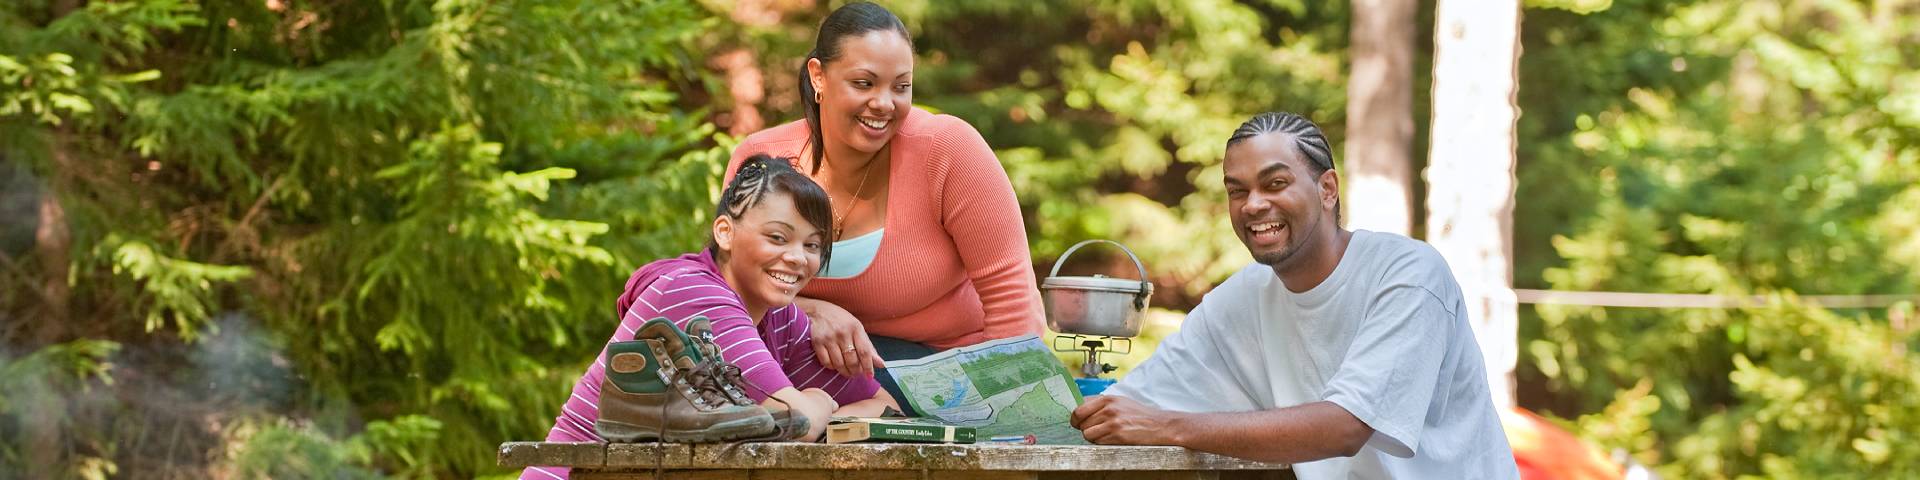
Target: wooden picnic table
x,y
882,461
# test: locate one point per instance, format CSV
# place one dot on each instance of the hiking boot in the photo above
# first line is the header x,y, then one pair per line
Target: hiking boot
x,y
729,381
656,388
727,376
791,423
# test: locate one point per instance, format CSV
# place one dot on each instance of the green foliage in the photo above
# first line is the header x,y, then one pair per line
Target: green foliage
x,y
427,204
33,388
65,366
1735,148
45,79
1801,367
178,288
286,450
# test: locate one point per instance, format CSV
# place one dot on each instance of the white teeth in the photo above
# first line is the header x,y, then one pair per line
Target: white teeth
x,y
874,124
1262,227
784,277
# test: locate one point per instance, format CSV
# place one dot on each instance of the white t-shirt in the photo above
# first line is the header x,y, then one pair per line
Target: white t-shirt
x,y
1385,336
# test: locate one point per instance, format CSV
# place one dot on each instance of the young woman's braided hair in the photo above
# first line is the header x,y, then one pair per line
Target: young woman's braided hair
x,y
1306,137
762,174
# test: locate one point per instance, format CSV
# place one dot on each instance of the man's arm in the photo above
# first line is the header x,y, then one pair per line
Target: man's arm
x,y
1301,433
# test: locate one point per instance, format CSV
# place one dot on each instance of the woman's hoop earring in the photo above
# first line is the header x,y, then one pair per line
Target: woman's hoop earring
x,y
816,97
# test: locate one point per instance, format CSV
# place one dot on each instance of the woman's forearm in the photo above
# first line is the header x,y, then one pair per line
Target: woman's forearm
x,y
806,304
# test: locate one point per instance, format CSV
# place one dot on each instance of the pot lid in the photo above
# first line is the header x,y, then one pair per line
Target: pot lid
x,y
1097,282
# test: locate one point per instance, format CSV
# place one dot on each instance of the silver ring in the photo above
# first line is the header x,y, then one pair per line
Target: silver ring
x,y
849,348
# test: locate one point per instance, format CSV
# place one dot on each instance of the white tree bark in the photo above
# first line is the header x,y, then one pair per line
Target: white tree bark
x,y
1470,173
1379,146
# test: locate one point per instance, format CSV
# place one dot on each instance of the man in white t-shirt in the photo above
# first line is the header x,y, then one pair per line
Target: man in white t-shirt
x,y
1348,354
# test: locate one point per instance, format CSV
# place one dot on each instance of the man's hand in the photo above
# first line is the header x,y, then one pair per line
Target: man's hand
x,y
839,340
1117,420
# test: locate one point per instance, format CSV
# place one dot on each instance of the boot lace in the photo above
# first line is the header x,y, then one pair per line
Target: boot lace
x,y
725,376
700,387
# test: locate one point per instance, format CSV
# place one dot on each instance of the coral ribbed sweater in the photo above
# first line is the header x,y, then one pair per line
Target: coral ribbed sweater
x,y
953,268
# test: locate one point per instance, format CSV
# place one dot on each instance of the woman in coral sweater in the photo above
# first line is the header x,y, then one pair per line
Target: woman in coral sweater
x,y
929,248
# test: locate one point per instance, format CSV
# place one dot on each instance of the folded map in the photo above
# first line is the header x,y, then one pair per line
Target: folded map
x,y
1011,386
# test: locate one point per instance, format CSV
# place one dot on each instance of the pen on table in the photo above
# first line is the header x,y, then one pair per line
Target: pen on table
x,y
1014,439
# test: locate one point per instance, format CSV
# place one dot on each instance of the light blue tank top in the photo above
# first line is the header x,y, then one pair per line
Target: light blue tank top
x,y
853,255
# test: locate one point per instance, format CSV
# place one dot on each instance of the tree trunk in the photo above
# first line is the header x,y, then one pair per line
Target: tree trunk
x,y
1470,174
747,85
52,241
44,448
1380,117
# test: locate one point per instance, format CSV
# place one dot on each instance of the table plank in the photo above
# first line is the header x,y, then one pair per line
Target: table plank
x,y
568,454
871,456
809,475
780,474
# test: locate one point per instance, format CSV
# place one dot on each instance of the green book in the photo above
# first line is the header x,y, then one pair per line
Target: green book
x,y
896,429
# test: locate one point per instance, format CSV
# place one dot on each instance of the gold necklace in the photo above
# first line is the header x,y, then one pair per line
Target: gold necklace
x,y
840,224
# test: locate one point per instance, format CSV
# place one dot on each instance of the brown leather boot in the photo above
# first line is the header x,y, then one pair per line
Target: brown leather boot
x,y
656,389
728,377
700,330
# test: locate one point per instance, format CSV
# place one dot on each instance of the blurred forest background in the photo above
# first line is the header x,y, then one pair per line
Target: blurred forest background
x,y
350,239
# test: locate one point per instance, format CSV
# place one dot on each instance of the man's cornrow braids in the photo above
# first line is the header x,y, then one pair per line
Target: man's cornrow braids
x,y
1307,136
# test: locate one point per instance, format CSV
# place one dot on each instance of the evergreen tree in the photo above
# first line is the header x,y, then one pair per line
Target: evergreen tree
x,y
424,207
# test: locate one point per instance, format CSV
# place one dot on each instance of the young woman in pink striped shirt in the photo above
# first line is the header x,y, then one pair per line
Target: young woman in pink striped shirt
x,y
769,239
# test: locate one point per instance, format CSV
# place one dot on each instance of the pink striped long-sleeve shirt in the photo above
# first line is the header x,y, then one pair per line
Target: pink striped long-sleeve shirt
x,y
777,353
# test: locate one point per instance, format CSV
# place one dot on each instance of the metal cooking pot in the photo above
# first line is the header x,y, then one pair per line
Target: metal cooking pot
x,y
1096,305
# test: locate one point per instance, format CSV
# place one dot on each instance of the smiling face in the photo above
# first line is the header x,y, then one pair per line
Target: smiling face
x,y
866,91
1277,203
769,252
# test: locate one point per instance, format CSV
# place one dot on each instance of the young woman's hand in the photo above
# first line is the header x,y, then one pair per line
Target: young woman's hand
x,y
814,403
839,340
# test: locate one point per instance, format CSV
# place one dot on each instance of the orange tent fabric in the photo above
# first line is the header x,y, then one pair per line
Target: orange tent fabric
x,y
1544,451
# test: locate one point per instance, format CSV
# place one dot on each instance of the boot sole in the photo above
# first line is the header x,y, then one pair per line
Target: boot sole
x,y
619,432
791,423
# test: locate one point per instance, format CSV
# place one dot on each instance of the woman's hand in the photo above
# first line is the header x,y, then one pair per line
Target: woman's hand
x,y
839,341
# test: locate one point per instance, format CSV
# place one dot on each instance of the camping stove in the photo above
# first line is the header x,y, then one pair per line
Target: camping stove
x,y
1093,346
1095,314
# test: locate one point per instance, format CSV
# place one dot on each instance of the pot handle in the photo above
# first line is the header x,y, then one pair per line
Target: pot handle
x,y
1146,287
